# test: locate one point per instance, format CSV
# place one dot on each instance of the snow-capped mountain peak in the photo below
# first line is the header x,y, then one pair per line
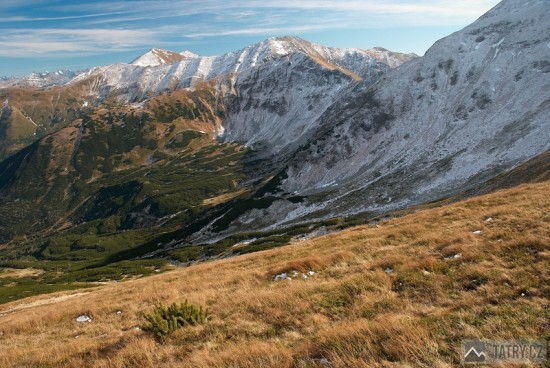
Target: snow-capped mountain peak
x,y
341,57
155,57
188,54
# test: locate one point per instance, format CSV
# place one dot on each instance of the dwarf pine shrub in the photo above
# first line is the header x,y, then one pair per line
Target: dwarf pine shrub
x,y
165,320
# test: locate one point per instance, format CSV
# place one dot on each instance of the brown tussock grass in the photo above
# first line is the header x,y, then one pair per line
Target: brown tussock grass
x,y
391,338
24,272
350,312
222,198
315,263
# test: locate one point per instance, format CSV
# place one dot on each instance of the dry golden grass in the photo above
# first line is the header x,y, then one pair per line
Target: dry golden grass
x,y
350,312
324,63
20,272
222,198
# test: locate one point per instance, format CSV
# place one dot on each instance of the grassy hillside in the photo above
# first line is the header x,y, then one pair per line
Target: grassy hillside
x,y
108,182
30,113
124,167
400,293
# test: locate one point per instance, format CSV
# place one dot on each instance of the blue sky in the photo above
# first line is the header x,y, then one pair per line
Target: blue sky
x,y
40,35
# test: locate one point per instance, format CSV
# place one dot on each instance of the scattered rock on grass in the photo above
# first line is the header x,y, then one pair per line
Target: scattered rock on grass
x,y
456,256
83,318
281,276
295,274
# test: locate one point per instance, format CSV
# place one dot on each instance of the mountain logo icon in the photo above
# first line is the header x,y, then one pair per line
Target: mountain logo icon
x,y
474,351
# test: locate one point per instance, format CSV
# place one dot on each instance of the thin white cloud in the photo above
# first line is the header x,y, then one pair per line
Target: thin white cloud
x,y
68,17
256,31
10,4
447,8
426,12
142,24
34,43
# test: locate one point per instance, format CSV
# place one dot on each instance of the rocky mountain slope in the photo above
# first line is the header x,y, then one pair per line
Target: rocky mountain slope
x,y
474,106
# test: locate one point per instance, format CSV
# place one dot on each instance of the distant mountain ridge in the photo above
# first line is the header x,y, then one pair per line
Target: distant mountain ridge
x,y
161,71
279,46
38,80
169,71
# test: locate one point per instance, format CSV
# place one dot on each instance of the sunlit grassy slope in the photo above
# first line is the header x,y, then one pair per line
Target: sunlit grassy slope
x,y
402,293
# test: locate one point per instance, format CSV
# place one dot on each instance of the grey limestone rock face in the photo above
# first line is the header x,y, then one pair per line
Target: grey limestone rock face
x,y
475,105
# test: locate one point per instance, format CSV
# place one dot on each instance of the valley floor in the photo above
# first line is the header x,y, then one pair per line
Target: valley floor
x,y
404,292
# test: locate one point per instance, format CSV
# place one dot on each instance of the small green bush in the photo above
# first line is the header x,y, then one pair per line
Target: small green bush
x,y
165,320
